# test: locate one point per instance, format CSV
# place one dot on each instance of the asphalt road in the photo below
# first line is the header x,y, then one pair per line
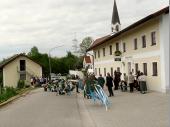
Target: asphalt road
x,y
45,109
42,109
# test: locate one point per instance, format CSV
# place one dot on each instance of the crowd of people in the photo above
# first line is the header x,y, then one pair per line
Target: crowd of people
x,y
36,81
115,81
119,81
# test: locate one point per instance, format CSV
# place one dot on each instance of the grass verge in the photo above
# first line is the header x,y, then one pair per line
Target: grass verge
x,y
12,94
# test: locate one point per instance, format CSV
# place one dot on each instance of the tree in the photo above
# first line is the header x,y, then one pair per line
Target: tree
x,y
39,58
34,51
58,65
87,41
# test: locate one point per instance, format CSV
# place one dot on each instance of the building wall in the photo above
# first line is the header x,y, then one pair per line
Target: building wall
x,y
153,82
128,38
33,68
11,74
147,55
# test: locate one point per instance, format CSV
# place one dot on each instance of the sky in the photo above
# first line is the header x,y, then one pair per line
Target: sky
x,y
50,23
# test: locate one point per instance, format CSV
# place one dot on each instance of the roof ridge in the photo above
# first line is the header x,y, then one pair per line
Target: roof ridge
x,y
8,60
101,40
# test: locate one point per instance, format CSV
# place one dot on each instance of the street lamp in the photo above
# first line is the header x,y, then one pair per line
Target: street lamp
x,y
50,56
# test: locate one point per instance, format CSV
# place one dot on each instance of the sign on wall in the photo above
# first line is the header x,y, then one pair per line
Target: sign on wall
x,y
117,58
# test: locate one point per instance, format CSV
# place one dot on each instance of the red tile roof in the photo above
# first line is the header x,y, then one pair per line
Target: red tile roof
x,y
104,39
99,40
87,59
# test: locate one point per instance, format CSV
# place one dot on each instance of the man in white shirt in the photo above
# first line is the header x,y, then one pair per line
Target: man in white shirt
x,y
142,83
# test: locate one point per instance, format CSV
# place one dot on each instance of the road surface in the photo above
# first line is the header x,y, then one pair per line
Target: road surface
x,y
45,109
41,109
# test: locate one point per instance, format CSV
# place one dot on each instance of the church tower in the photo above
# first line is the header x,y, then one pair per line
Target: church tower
x,y
115,23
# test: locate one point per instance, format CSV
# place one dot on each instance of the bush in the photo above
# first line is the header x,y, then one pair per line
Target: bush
x,y
8,92
21,84
1,77
1,88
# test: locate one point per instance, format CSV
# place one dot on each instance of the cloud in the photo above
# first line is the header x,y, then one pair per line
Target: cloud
x,y
47,23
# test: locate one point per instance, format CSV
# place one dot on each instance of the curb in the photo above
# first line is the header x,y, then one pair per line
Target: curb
x,y
23,93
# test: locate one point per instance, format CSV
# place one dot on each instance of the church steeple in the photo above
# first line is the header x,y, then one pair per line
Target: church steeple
x,y
115,23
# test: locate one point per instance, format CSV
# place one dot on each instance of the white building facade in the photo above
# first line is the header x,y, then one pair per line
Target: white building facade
x,y
143,46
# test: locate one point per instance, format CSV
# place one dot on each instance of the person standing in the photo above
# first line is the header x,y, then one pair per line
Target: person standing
x,y
117,80
109,84
123,84
32,81
101,81
41,80
89,83
138,74
131,79
125,79
77,83
137,80
142,83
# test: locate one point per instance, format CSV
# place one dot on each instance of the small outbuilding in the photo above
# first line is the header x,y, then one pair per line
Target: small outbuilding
x,y
19,67
88,64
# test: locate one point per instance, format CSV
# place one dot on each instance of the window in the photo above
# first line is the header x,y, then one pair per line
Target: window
x,y
22,68
104,71
103,51
124,47
117,28
22,65
110,49
136,68
117,46
153,38
99,71
95,55
143,41
98,53
135,44
95,71
155,70
111,71
23,76
145,68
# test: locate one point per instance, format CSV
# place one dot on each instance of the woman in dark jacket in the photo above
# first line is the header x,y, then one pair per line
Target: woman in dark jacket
x,y
109,84
117,80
